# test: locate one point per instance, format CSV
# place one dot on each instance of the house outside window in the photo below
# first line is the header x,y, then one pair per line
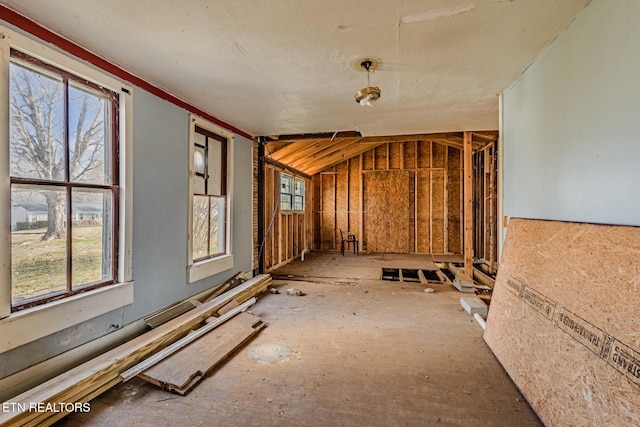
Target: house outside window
x,y
63,167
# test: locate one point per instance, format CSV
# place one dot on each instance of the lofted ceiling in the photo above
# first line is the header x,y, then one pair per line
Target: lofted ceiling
x,y
283,67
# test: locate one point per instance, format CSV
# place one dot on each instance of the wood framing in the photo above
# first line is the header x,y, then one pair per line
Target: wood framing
x,y
468,206
400,196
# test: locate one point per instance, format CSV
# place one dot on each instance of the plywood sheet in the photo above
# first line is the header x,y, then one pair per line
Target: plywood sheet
x,y
423,218
564,320
387,227
454,201
438,210
328,212
181,371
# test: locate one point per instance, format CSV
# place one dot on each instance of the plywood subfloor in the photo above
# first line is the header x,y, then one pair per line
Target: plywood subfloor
x,y
365,353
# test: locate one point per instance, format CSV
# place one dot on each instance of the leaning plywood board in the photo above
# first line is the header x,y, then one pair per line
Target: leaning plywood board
x,y
564,320
181,371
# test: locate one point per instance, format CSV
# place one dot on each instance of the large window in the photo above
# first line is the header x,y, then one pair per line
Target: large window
x,y
210,205
209,194
63,166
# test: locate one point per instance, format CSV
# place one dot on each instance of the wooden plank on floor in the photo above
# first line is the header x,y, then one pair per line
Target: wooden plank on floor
x,y
564,320
181,371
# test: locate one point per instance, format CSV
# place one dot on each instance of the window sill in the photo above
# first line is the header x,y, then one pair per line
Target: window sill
x,y
34,323
201,269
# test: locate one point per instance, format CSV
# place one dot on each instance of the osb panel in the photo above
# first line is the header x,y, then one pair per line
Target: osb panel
x,y
395,155
328,212
454,202
423,218
367,159
387,218
381,157
424,154
354,196
410,155
564,320
342,196
438,155
437,211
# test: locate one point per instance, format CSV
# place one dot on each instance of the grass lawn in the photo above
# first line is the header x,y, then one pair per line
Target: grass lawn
x,y
40,267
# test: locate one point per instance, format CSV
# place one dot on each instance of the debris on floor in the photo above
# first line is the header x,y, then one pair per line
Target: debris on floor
x,y
274,291
295,292
429,290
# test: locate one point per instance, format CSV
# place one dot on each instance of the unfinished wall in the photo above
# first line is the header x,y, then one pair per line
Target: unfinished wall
x,y
287,234
401,197
485,206
571,123
564,320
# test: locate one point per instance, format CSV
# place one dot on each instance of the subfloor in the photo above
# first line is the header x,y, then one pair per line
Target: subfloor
x,y
364,352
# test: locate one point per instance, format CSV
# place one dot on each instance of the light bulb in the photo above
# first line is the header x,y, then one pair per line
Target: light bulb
x,y
366,101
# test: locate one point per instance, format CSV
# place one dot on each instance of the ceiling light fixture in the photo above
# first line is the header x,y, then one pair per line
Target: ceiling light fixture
x,y
370,94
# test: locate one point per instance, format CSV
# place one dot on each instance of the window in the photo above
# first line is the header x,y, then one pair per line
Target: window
x,y
291,193
286,191
298,201
210,204
65,205
63,166
209,194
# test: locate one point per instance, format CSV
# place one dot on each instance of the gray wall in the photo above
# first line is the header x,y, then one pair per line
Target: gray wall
x,y
571,124
160,207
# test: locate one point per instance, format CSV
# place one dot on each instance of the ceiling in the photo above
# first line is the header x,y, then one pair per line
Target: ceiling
x,y
313,153
283,67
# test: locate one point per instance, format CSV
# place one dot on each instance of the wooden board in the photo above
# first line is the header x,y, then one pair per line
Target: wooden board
x,y
181,371
564,320
387,217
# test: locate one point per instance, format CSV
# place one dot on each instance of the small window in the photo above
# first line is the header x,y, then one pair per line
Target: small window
x,y
286,192
298,200
63,149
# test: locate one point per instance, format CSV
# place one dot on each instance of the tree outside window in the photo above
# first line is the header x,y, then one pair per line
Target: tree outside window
x,y
64,182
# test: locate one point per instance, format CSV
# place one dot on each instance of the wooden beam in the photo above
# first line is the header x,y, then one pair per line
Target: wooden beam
x,y
417,137
318,135
468,206
324,149
353,150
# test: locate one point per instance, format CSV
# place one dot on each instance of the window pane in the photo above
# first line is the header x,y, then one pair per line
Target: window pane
x,y
91,252
198,160
298,204
36,132
216,233
88,158
299,187
38,246
214,184
200,226
285,202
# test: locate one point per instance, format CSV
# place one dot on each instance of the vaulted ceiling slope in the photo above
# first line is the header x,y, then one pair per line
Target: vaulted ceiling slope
x,y
285,67
313,154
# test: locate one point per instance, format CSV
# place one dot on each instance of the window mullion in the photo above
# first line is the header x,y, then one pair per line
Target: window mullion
x,y
67,178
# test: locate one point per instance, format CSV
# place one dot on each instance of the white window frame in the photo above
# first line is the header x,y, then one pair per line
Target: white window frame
x,y
297,179
211,266
27,325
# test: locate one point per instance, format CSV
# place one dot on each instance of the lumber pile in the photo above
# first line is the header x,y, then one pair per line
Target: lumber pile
x,y
42,405
564,320
181,371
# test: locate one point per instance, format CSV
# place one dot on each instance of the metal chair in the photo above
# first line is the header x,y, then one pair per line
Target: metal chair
x,y
347,238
